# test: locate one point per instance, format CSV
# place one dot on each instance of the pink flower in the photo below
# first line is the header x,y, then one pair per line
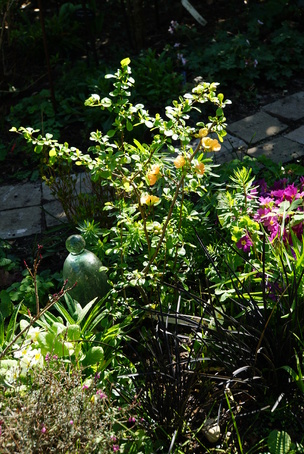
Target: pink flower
x,y
262,186
115,448
266,201
101,394
43,430
245,243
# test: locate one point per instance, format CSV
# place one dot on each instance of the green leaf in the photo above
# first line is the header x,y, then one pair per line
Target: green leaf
x,y
52,152
6,305
1,329
106,102
93,356
12,324
111,133
125,62
220,97
69,318
129,126
278,442
74,332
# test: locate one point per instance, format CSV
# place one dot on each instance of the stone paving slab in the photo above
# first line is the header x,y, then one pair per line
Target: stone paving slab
x,y
20,222
229,149
255,128
279,149
297,135
54,214
289,108
231,143
21,195
82,186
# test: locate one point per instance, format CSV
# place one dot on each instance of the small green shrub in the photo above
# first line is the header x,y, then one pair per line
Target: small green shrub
x,y
56,411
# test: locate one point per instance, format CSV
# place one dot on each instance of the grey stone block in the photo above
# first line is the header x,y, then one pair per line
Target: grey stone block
x,y
54,213
279,150
21,195
82,186
289,108
20,222
297,135
255,128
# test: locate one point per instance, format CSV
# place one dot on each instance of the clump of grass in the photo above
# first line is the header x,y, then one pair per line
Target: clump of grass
x,y
57,412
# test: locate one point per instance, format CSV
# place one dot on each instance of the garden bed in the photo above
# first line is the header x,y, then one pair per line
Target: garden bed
x,y
198,346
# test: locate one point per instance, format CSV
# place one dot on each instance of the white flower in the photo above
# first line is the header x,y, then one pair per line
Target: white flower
x,y
33,333
29,358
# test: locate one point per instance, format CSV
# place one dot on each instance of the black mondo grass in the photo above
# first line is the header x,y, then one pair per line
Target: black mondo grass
x,y
232,360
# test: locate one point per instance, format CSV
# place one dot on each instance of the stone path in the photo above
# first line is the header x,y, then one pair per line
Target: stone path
x,y
277,131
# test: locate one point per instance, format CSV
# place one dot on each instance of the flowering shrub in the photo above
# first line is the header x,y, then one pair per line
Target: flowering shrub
x,y
266,224
57,413
153,207
281,211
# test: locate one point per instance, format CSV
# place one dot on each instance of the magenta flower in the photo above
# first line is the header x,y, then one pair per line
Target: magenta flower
x,y
260,214
43,430
266,201
245,243
298,230
280,184
115,448
262,186
101,394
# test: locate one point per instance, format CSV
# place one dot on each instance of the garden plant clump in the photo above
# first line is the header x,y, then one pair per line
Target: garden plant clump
x,y
198,344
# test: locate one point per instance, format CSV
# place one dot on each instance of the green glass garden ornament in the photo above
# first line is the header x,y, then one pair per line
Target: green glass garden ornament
x,y
83,268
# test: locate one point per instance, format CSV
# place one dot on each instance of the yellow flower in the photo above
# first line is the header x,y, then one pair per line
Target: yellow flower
x,y
206,142
211,144
155,169
215,146
202,133
149,199
179,162
200,168
153,174
152,178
